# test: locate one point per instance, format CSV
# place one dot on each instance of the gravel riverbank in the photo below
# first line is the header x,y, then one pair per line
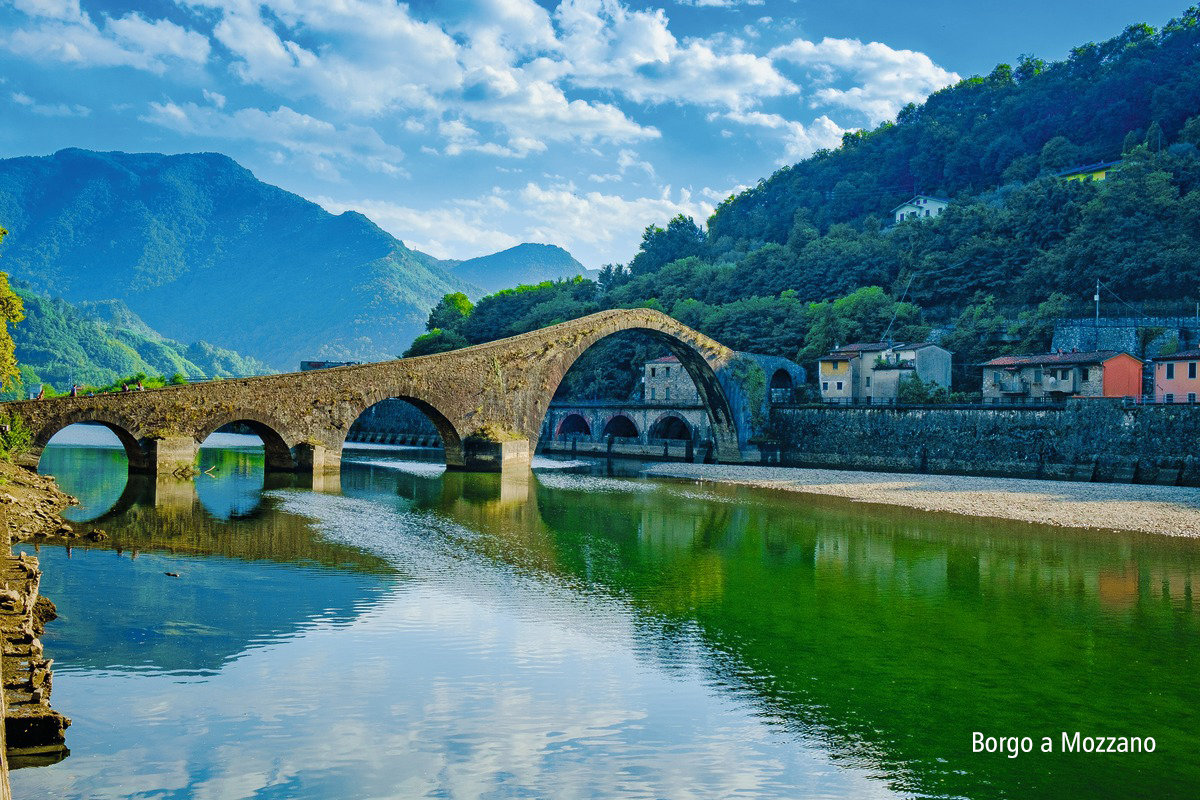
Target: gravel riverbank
x,y
1170,510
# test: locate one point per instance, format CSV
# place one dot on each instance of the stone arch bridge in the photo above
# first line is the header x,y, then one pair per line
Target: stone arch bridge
x,y
486,401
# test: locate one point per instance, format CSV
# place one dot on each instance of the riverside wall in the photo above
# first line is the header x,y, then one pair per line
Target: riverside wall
x,y
1088,440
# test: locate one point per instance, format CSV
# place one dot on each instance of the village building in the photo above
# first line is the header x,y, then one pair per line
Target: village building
x,y
1175,377
920,207
871,372
1089,172
1058,376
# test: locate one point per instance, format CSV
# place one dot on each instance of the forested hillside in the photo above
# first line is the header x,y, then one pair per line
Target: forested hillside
x,y
60,344
1017,244
202,250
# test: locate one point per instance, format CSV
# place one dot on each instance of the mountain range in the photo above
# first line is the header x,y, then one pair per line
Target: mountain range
x,y
199,250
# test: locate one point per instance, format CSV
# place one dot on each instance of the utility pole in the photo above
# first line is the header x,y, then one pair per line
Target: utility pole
x,y
1096,297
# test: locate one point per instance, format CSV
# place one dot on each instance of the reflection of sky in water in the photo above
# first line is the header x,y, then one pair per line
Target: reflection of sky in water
x,y
469,681
427,634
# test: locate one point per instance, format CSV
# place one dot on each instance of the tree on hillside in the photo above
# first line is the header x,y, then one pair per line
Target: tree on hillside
x,y
12,311
865,315
450,313
436,341
660,246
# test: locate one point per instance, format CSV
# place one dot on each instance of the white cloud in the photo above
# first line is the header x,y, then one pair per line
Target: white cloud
x,y
799,140
592,225
320,144
884,79
634,53
216,98
462,229
68,35
50,110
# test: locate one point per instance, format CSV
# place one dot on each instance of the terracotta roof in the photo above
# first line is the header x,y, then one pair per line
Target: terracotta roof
x,y
1183,355
664,360
1091,357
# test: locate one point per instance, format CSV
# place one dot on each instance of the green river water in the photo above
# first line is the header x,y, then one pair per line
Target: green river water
x,y
577,633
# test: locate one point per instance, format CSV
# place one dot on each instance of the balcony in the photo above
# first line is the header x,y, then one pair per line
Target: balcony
x,y
1012,386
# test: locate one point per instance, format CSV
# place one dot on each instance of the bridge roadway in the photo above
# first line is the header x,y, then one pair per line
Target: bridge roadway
x,y
487,401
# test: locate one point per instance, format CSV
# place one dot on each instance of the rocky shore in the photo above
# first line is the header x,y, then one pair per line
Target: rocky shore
x,y
30,508
1169,510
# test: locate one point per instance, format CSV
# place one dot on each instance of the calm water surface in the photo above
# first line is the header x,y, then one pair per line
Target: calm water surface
x,y
579,634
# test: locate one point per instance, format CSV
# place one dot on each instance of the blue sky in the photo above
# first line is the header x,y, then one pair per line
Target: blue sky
x,y
469,126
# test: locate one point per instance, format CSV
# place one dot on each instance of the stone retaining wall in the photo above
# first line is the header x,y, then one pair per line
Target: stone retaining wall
x,y
1093,440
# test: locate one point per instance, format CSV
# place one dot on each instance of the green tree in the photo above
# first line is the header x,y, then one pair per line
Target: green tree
x,y
450,313
12,311
436,341
660,246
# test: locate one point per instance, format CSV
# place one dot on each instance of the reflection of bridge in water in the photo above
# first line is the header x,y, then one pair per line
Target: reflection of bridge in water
x,y
487,402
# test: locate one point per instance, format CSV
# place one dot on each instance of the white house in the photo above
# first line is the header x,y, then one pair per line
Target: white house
x,y
920,207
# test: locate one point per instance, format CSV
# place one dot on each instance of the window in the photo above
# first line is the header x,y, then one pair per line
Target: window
x,y
667,393
652,394
1192,370
1170,371
1168,398
839,385
1064,374
868,381
653,371
997,377
1037,375
1083,374
824,386
666,371
1191,397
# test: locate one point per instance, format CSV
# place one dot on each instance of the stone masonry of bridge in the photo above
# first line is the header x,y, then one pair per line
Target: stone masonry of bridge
x,y
486,401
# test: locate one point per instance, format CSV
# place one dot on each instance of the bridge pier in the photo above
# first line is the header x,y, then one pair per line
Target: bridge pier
x,y
317,459
166,455
481,455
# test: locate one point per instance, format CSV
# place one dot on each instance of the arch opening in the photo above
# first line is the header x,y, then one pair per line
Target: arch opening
x,y
651,370
231,442
671,427
574,425
91,461
620,427
396,429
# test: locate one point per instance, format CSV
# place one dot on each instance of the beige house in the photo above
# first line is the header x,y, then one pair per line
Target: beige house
x,y
871,372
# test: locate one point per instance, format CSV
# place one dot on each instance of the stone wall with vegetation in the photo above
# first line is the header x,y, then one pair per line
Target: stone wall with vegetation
x,y
1083,440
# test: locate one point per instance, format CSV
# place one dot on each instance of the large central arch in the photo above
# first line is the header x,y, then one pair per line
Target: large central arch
x,y
451,439
698,354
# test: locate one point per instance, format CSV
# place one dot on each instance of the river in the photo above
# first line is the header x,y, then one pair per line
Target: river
x,y
583,632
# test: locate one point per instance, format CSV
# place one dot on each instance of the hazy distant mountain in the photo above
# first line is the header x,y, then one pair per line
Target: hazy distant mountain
x,y
200,249
525,263
98,343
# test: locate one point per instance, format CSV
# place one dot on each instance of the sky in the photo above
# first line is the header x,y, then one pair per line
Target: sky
x,y
466,127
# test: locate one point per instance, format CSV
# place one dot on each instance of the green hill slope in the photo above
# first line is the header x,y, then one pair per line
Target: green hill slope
x,y
61,344
201,250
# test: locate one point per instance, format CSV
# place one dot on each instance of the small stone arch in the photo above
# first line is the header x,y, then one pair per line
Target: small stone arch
x,y
574,424
781,379
671,426
621,427
451,440
139,461
277,451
